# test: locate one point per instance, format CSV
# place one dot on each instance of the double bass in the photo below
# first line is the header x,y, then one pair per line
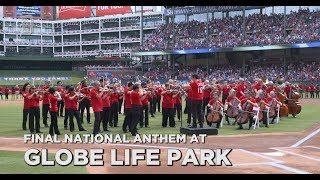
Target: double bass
x,y
284,111
233,110
294,105
214,114
244,114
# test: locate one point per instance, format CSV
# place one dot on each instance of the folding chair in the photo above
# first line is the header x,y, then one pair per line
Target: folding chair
x,y
256,117
223,115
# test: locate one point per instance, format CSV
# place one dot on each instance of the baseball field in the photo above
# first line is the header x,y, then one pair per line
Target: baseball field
x,y
291,146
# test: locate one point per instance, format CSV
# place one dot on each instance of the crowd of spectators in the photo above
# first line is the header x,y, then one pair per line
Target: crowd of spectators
x,y
300,71
261,29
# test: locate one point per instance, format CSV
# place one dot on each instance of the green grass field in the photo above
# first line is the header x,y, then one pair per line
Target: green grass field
x,y
12,162
11,123
76,76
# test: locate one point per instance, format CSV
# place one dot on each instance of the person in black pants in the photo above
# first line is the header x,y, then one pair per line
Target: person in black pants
x,y
114,107
145,107
106,107
178,106
127,108
168,107
85,103
66,107
54,97
60,102
73,109
317,88
136,108
25,93
45,103
197,96
97,106
34,110
120,100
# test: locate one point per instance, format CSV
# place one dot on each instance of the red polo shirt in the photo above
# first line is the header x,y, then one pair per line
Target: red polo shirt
x,y
73,104
167,101
95,102
135,98
34,101
53,103
45,95
66,101
127,98
25,99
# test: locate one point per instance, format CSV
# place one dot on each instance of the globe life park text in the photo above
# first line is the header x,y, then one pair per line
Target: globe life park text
x,y
131,156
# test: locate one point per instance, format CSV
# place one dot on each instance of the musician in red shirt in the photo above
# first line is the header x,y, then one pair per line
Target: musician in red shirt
x,y
60,89
207,89
73,109
158,94
225,91
213,103
85,103
301,89
54,97
311,90
240,88
106,106
144,118
65,97
127,107
17,92
178,105
288,89
114,101
136,108
270,87
13,92
187,109
1,92
260,100
197,98
317,88
25,92
244,102
34,110
6,92
273,98
168,107
231,100
45,103
97,106
306,90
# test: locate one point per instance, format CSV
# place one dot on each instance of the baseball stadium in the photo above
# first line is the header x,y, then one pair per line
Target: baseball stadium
x,y
248,77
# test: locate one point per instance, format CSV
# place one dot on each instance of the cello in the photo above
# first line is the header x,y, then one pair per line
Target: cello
x,y
244,114
233,110
214,115
273,105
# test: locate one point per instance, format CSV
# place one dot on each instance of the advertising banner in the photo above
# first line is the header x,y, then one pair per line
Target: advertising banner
x,y
69,12
34,12
28,10
112,10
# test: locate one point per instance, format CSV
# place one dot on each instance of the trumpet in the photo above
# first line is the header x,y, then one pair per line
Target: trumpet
x,y
105,89
78,94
